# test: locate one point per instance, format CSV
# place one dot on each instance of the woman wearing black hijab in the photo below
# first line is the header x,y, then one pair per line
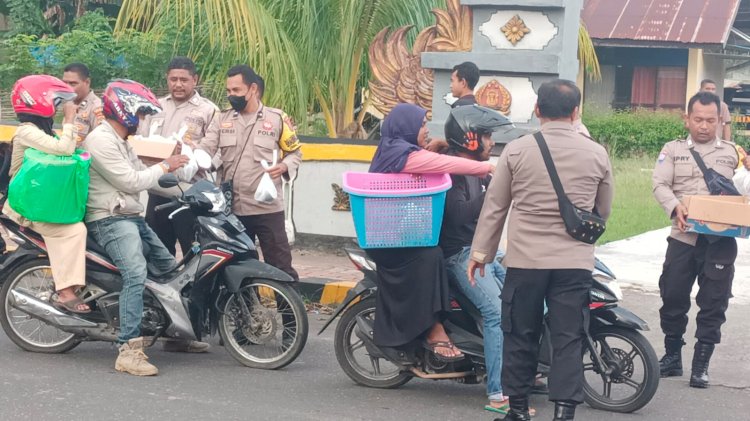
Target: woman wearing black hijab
x,y
412,298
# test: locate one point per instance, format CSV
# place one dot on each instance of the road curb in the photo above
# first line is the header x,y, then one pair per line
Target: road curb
x,y
324,291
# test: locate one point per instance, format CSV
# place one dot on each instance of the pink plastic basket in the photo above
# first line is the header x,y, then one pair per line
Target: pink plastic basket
x,y
397,210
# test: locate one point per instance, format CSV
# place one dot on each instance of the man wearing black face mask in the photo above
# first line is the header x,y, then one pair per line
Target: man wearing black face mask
x,y
246,135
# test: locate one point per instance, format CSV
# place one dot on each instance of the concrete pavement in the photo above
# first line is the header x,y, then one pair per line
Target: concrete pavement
x,y
83,385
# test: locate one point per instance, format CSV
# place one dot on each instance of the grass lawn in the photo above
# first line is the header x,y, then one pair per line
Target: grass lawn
x,y
634,210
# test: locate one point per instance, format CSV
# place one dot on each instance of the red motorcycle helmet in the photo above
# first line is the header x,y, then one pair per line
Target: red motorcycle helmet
x,y
40,95
124,99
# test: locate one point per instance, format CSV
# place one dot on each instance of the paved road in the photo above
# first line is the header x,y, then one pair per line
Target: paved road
x,y
83,385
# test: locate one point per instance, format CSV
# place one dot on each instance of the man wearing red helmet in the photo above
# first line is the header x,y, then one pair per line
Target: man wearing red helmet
x,y
113,213
35,99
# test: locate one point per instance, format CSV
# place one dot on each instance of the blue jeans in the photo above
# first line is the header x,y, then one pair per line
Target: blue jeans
x,y
132,246
486,297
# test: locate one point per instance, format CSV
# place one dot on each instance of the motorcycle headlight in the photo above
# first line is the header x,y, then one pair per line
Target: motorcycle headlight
x,y
217,199
220,235
610,283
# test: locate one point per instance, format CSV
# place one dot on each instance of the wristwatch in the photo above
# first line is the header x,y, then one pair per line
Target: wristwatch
x,y
165,166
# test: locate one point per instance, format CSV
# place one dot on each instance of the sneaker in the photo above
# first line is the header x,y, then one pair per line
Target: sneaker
x,y
133,360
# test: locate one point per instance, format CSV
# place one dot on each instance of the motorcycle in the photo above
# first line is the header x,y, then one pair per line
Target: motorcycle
x,y
620,366
219,285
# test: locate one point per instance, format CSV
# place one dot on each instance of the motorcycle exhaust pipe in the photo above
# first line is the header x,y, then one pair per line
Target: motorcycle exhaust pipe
x,y
39,309
455,375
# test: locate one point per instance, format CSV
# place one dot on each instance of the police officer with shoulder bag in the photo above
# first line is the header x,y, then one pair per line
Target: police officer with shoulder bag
x,y
702,164
560,185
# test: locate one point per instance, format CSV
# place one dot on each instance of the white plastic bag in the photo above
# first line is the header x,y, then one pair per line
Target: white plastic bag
x,y
187,172
266,192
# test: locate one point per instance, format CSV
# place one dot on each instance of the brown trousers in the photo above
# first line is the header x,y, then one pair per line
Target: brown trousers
x,y
271,232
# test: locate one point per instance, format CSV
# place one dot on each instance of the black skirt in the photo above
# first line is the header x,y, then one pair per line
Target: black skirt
x,y
412,293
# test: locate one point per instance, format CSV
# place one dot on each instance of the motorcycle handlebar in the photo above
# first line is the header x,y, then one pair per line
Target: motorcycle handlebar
x,y
172,204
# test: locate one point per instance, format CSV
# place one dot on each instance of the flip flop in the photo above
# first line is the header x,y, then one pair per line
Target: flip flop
x,y
70,305
430,346
502,410
505,408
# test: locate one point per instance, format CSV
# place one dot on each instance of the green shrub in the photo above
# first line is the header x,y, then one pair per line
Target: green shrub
x,y
635,133
136,56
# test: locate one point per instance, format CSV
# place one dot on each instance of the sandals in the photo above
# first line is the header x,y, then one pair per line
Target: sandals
x,y
71,306
430,346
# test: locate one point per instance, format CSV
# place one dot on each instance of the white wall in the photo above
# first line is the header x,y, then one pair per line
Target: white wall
x,y
313,198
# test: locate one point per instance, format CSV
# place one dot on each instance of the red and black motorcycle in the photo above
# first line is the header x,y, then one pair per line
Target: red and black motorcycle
x,y
219,285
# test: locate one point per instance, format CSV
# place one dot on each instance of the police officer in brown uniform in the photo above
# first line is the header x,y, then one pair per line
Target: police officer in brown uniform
x,y
245,135
690,255
89,113
182,108
724,124
543,260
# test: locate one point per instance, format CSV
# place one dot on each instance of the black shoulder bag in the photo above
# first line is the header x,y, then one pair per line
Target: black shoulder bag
x,y
718,185
227,186
580,224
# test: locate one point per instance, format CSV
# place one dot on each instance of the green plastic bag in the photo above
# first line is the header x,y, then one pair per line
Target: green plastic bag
x,y
51,188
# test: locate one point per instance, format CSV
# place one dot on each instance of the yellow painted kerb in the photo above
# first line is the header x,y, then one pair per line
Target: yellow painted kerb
x,y
335,292
310,151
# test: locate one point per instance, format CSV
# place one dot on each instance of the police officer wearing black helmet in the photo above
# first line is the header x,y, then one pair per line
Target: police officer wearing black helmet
x,y
468,131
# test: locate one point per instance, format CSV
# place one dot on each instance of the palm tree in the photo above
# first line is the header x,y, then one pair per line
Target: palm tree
x,y
312,53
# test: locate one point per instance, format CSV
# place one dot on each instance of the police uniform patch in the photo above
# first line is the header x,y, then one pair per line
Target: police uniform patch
x,y
227,125
267,125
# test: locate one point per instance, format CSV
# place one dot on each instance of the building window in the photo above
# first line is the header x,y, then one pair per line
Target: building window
x,y
659,87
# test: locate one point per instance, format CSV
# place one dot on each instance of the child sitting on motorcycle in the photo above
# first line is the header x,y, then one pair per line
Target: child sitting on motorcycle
x,y
35,99
468,131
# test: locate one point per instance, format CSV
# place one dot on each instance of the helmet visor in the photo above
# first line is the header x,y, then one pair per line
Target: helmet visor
x,y
59,97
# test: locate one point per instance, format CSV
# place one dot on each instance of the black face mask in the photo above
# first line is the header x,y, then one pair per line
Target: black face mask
x,y
238,102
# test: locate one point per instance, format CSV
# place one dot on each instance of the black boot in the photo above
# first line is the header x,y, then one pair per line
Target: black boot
x,y
564,411
519,409
671,363
701,357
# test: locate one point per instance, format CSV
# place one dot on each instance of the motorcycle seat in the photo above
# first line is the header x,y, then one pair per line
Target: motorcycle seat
x,y
92,245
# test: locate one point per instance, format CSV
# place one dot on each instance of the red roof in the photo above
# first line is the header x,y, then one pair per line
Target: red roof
x,y
661,21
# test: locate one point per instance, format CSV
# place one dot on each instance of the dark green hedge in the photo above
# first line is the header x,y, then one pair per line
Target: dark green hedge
x,y
635,133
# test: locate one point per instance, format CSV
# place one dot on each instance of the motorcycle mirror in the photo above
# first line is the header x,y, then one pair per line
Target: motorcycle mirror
x,y
202,158
168,180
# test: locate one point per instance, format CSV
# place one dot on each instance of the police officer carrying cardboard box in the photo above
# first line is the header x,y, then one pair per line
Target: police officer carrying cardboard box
x,y
689,255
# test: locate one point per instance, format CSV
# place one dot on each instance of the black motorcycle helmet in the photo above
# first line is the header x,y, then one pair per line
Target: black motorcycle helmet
x,y
466,125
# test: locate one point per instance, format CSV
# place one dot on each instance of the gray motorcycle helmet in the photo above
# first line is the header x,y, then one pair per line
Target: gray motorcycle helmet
x,y
466,125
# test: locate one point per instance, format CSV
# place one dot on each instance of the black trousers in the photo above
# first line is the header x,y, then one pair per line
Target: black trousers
x,y
713,264
181,228
567,295
271,232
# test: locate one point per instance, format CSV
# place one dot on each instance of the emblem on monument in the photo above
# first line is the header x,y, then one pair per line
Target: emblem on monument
x,y
496,96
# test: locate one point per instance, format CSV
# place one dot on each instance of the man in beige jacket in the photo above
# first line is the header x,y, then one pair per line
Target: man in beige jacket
x,y
113,213
543,261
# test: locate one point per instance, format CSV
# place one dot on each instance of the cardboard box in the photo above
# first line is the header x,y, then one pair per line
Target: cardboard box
x,y
153,148
727,216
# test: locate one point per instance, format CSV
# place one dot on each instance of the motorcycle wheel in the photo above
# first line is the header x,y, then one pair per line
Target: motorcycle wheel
x,y
634,367
264,325
346,343
34,278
